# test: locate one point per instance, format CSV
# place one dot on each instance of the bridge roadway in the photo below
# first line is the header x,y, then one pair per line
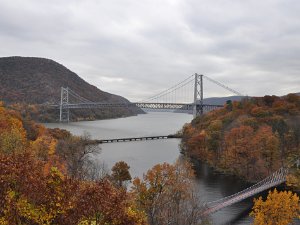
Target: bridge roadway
x,y
144,105
135,139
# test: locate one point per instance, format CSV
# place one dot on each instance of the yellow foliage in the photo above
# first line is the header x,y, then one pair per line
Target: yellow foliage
x,y
18,206
12,133
52,147
37,214
21,207
280,208
215,125
136,215
12,141
44,146
3,221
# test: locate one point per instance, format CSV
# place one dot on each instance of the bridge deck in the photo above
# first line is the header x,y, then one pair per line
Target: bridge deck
x,y
145,105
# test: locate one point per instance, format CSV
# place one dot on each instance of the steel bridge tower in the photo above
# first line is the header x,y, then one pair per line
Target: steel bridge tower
x,y
64,114
198,95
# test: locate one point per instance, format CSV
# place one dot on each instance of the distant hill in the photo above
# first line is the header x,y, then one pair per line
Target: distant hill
x,y
215,101
221,100
30,80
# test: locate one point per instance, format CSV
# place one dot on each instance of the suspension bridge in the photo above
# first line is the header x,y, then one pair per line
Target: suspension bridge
x,y
185,96
273,180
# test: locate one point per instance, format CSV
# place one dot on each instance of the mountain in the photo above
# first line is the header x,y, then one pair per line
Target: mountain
x,y
34,81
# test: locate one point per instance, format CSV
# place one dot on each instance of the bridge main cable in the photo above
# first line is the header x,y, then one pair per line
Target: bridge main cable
x,y
167,91
223,86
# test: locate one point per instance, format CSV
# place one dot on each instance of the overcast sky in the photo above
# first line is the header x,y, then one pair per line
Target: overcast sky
x,y
136,48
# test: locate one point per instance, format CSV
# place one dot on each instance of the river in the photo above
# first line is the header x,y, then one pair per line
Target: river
x,y
142,155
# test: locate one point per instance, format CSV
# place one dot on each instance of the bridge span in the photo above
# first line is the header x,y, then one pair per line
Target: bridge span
x,y
273,180
186,95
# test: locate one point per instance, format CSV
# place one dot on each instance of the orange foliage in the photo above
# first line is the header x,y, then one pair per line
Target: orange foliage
x,y
36,189
251,138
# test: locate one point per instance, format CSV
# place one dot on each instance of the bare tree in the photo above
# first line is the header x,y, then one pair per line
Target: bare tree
x,y
77,152
95,170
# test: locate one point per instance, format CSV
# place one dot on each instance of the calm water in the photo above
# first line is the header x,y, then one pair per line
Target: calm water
x,y
143,155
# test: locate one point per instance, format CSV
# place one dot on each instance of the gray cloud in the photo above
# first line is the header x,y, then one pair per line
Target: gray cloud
x,y
136,48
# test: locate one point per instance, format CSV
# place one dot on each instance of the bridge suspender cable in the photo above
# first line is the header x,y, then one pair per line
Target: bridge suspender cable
x,y
169,90
223,86
75,95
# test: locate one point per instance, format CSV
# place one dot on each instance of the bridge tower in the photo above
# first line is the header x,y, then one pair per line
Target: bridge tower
x,y
64,105
198,95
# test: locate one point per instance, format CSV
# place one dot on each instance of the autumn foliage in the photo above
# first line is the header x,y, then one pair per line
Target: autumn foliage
x,y
280,208
251,138
167,195
120,174
43,180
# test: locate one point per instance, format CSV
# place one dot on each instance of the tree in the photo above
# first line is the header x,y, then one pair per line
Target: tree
x,y
240,154
167,196
214,138
12,133
120,174
280,208
12,141
293,178
229,105
77,151
197,146
268,144
36,189
29,196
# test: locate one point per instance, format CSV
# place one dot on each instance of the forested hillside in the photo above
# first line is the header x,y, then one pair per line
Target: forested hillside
x,y
28,82
47,176
250,138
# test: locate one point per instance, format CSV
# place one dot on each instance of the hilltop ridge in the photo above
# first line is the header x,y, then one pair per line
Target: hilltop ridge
x,y
33,81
